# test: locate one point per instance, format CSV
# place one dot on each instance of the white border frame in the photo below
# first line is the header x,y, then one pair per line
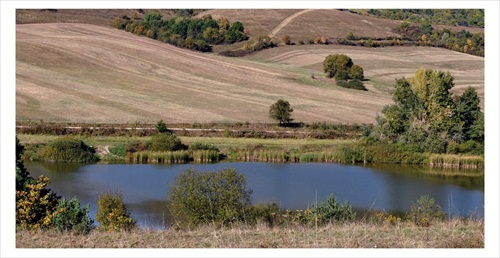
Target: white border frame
x,y
7,129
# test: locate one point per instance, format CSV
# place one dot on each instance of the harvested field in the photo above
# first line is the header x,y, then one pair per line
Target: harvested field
x,y
383,65
93,74
306,24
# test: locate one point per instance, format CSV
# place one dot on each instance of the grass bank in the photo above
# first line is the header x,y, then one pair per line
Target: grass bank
x,y
114,149
455,233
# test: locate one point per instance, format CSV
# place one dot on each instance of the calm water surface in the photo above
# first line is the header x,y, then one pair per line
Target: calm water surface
x,y
292,185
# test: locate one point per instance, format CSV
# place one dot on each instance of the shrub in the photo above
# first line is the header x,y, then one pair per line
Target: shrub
x,y
425,211
165,142
69,216
135,146
202,146
356,84
68,149
356,72
334,63
268,213
35,204
330,210
286,40
112,213
352,84
205,197
161,127
342,75
350,154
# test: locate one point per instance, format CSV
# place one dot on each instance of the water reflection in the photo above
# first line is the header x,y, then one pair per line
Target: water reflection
x,y
293,186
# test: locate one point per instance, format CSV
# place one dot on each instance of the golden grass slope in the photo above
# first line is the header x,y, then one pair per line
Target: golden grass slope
x,y
93,74
306,24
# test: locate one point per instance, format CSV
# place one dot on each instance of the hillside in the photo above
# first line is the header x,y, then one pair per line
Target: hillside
x,y
329,23
88,73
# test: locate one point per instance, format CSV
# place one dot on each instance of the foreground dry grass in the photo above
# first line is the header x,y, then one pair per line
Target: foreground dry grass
x,y
450,234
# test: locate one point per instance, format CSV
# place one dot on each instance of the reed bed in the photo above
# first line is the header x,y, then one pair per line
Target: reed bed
x,y
173,157
456,161
282,156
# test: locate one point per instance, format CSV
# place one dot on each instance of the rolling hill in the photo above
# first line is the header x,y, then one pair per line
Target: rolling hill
x,y
94,74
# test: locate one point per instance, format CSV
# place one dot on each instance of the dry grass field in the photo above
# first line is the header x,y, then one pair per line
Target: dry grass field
x,y
93,74
449,234
306,24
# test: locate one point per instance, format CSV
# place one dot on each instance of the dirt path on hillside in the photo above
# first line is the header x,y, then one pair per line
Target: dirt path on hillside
x,y
103,151
286,22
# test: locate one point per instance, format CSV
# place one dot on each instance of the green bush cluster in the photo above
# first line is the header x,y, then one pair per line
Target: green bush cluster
x,y
38,207
208,197
263,42
425,211
202,146
426,115
112,213
165,142
469,147
345,72
352,84
330,210
67,149
461,41
451,17
184,31
197,198
69,216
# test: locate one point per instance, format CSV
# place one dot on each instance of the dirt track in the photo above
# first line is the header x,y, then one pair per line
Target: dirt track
x,y
286,22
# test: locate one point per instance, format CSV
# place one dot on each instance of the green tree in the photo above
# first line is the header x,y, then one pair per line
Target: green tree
x,y
424,113
204,197
469,112
337,62
281,111
161,127
356,72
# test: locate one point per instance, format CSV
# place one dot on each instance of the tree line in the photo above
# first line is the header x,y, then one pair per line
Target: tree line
x,y
425,34
426,117
451,17
184,31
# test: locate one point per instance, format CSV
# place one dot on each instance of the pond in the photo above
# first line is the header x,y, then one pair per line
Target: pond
x,y
291,185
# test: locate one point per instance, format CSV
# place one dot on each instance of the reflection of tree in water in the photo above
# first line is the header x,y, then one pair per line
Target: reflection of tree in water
x,y
470,179
55,167
151,213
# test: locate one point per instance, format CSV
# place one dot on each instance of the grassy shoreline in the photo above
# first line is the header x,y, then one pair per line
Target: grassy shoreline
x,y
455,233
112,149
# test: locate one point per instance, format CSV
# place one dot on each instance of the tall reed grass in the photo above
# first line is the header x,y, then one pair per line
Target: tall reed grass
x,y
456,161
173,157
